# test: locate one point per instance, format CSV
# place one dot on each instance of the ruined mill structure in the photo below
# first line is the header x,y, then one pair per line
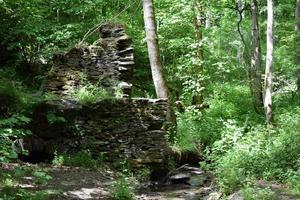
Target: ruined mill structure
x,y
119,128
108,62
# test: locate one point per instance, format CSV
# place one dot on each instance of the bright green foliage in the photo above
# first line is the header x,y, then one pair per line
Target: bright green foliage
x,y
258,194
81,159
122,189
9,184
293,181
235,139
22,194
90,93
189,126
41,177
11,132
260,153
124,186
225,119
143,175
44,27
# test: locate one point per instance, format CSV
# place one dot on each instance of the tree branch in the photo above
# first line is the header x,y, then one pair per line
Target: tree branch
x,y
240,12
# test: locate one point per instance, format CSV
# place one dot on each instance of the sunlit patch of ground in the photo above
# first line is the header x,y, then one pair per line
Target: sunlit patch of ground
x,y
67,182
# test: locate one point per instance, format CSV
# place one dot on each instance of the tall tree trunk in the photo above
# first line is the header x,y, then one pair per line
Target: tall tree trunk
x,y
297,16
198,66
255,65
269,64
153,50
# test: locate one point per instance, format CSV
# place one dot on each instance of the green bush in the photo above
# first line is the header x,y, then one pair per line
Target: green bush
x,y
250,193
10,180
231,133
123,189
12,130
189,132
10,193
293,181
143,175
261,153
81,159
41,177
90,93
225,115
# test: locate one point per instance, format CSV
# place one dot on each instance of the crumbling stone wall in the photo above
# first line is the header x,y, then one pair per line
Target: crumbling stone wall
x,y
129,129
124,128
108,62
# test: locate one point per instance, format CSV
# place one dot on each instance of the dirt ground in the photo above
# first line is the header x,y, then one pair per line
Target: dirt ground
x,y
75,183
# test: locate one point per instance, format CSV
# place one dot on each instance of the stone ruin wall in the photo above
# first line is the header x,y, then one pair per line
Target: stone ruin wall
x,y
123,128
108,62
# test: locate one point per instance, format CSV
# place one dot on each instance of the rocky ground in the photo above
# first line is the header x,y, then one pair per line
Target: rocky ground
x,y
74,183
80,183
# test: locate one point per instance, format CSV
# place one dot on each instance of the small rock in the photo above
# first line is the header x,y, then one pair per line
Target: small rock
x,y
180,178
214,196
236,196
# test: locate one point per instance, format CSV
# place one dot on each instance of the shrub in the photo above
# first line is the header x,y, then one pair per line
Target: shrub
x,y
90,93
12,130
10,98
143,175
262,153
123,189
231,133
10,180
189,130
81,159
224,116
293,180
41,177
250,193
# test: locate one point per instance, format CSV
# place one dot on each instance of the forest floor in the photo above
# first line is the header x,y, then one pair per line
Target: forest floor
x,y
75,183
67,182
81,183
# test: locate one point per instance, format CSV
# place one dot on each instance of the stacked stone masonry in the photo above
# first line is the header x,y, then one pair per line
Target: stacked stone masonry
x,y
125,128
108,63
129,129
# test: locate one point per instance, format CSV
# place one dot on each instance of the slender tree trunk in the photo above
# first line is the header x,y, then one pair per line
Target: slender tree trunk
x,y
207,20
255,65
239,56
297,29
153,50
269,64
198,66
160,85
297,16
